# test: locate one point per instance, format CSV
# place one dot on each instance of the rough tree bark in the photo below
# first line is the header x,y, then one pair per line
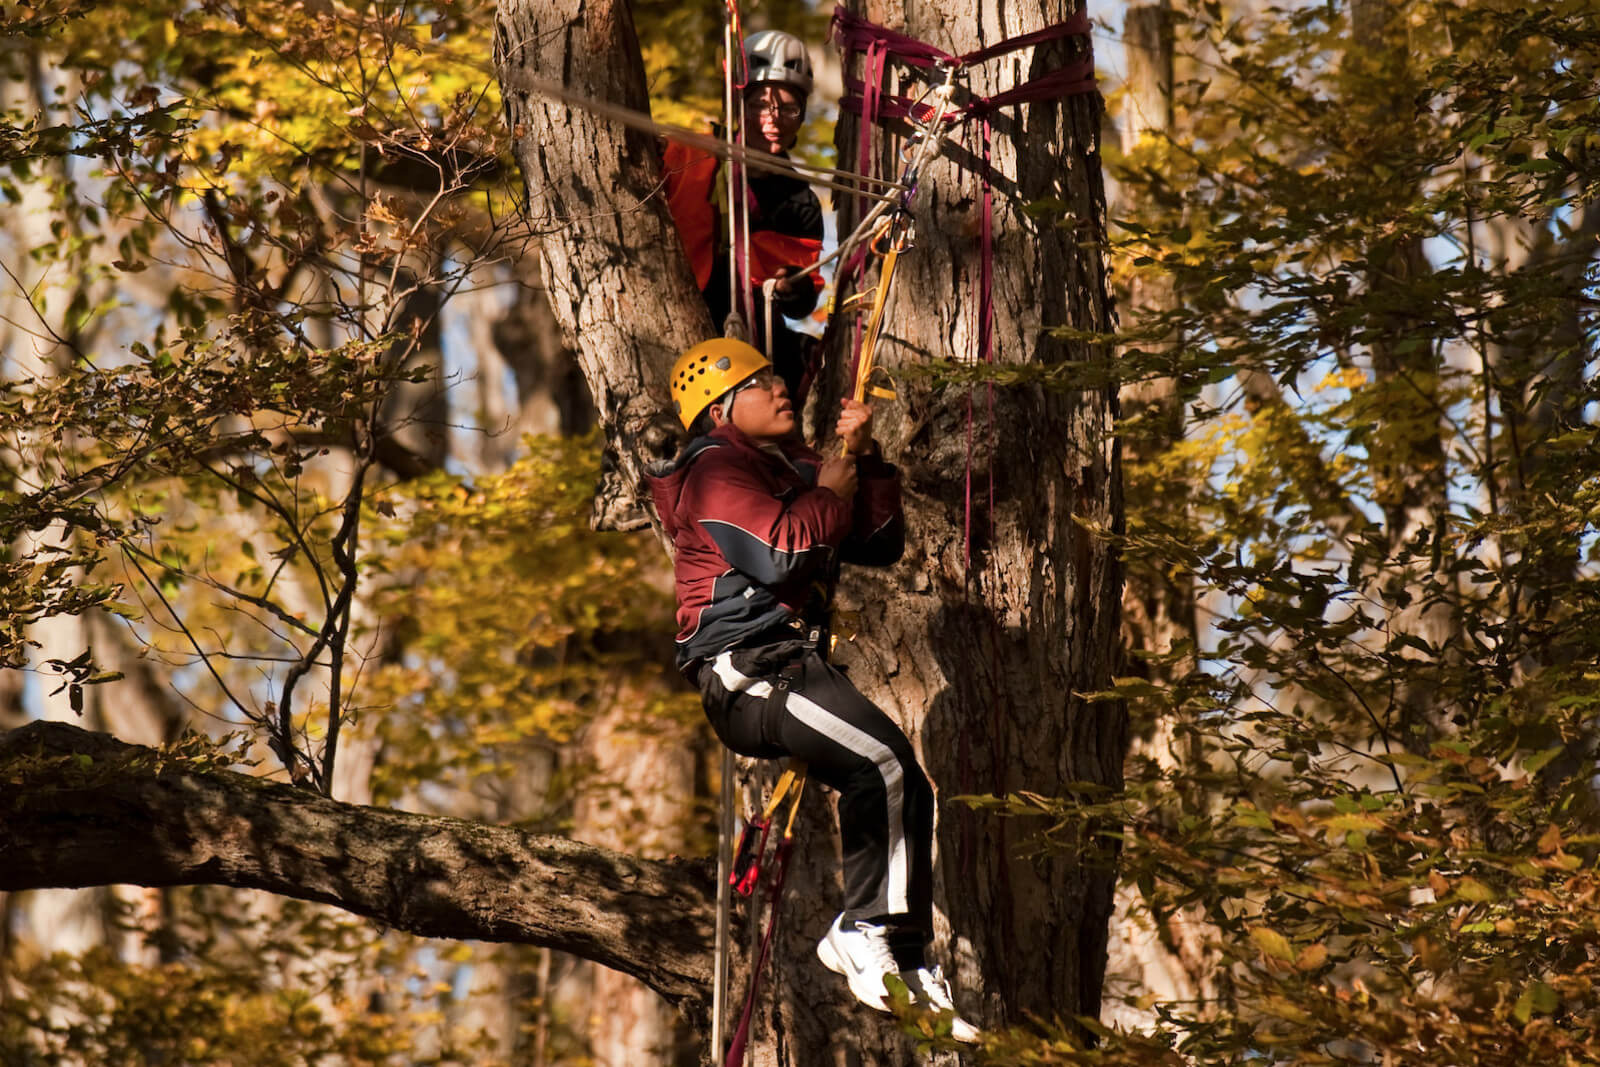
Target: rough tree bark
x,y
611,261
1004,613
84,809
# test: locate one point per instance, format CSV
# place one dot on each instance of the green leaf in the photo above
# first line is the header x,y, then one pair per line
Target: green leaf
x,y
1537,998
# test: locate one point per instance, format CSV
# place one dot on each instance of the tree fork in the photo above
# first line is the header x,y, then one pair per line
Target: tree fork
x,y
84,809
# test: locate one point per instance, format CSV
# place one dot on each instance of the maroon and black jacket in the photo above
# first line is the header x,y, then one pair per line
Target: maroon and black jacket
x,y
758,544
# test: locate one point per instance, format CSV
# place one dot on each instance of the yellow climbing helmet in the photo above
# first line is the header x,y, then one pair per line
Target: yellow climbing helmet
x,y
708,370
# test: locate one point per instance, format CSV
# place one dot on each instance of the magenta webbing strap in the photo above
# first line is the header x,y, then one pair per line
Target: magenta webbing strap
x,y
872,72
985,254
966,509
1075,26
856,34
1071,80
853,33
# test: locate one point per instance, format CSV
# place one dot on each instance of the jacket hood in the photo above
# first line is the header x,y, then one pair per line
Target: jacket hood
x,y
666,481
666,477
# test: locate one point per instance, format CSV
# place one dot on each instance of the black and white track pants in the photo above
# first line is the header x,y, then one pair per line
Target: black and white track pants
x,y
784,699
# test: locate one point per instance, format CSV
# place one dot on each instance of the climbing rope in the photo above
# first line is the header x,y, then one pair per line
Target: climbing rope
x,y
719,961
745,877
734,79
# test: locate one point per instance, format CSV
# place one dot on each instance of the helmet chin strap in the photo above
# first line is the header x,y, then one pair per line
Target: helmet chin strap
x,y
726,403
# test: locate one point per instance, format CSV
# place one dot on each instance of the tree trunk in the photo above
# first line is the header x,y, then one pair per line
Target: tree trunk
x,y
1164,955
31,317
984,663
985,638
640,799
611,261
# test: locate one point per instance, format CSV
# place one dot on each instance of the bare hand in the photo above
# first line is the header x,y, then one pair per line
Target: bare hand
x,y
783,281
838,473
855,426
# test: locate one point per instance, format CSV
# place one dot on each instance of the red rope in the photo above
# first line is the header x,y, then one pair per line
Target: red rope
x,y
742,70
986,256
741,1035
867,98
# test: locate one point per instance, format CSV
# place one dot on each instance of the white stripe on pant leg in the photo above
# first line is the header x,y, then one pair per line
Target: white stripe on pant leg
x,y
893,899
734,682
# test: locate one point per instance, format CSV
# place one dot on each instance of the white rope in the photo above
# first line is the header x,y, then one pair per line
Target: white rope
x,y
756,159
719,963
731,132
768,288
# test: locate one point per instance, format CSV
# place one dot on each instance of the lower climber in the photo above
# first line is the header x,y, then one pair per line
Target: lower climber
x,y
761,523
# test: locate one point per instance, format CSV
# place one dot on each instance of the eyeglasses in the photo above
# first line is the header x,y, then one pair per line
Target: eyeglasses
x,y
782,110
761,379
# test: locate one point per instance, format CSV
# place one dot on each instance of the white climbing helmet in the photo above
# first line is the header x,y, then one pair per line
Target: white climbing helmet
x,y
775,57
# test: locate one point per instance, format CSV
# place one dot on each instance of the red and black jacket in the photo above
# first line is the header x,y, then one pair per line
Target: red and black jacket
x,y
785,225
785,232
758,543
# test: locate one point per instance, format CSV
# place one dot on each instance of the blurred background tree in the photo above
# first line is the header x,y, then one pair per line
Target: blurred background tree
x,y
1358,263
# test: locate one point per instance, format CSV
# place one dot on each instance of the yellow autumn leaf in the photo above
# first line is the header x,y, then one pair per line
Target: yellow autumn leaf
x,y
1272,943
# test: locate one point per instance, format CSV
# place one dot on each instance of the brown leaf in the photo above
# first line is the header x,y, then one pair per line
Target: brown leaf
x,y
1311,957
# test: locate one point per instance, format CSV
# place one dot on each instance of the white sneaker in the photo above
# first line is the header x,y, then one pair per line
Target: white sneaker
x,y
860,952
931,992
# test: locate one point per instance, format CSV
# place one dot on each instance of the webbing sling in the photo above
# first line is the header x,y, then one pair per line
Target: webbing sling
x,y
868,98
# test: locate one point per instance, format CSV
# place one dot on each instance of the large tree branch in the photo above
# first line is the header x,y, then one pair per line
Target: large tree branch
x,y
84,809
